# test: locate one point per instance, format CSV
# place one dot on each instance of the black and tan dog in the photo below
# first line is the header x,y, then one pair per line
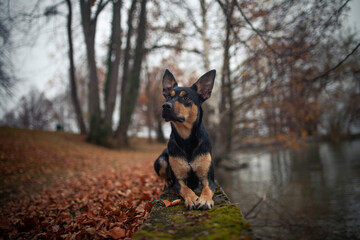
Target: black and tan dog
x,y
187,163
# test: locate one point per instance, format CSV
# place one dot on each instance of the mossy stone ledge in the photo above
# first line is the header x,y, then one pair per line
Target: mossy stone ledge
x,y
223,221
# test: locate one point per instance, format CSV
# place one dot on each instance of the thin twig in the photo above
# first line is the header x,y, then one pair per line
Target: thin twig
x,y
337,12
253,28
174,47
337,65
232,25
261,200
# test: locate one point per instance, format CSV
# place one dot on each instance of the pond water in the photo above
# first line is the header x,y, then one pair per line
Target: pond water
x,y
310,193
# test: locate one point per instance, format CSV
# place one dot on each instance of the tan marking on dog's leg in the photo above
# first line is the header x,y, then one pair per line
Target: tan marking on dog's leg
x,y
163,166
189,196
201,166
205,200
181,168
164,172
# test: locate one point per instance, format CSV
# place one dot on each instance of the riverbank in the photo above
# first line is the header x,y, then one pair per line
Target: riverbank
x,y
261,143
310,191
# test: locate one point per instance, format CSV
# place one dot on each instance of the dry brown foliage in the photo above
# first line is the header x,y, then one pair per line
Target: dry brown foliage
x,y
87,192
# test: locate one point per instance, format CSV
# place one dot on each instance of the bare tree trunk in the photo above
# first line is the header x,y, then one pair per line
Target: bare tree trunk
x,y
159,132
210,105
205,55
226,100
113,65
204,39
126,64
148,112
129,99
89,29
73,87
230,112
149,126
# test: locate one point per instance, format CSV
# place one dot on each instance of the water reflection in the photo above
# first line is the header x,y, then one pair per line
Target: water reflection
x,y
312,193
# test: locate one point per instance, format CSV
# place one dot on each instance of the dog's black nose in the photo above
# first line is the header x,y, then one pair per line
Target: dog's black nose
x,y
167,105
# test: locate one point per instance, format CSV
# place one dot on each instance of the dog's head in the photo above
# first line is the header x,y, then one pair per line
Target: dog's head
x,y
182,104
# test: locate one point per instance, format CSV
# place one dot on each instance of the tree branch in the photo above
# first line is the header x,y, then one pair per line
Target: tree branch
x,y
100,7
189,12
337,12
232,25
336,66
261,200
254,29
177,48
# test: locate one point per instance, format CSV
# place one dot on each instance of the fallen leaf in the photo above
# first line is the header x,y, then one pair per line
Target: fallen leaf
x,y
173,203
116,233
145,197
167,203
176,202
148,206
55,228
4,224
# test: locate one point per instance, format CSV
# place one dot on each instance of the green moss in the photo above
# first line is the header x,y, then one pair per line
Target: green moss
x,y
223,221
178,218
153,235
226,222
176,208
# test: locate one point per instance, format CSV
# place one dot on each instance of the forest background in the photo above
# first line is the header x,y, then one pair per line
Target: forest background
x,y
285,70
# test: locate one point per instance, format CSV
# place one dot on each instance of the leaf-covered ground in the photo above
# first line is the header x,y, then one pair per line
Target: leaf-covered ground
x,y
57,186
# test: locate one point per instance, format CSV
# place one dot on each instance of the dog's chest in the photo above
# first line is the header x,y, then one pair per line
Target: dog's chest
x,y
200,165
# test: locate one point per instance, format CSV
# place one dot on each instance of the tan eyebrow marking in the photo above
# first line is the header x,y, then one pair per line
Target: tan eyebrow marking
x,y
182,93
172,93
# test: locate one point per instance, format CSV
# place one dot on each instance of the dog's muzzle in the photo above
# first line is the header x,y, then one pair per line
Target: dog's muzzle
x,y
168,113
167,106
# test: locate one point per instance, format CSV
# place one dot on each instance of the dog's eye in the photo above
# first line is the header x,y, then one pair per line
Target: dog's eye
x,y
168,98
186,98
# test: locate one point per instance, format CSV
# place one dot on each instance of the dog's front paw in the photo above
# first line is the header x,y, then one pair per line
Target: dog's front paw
x,y
204,204
190,203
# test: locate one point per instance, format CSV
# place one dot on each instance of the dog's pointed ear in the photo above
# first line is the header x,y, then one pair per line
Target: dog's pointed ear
x,y
168,82
205,84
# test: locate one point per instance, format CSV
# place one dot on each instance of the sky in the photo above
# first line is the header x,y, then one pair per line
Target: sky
x,y
44,65
354,15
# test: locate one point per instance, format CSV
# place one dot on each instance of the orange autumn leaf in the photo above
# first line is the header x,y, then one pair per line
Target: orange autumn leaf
x,y
176,202
167,203
173,203
116,233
